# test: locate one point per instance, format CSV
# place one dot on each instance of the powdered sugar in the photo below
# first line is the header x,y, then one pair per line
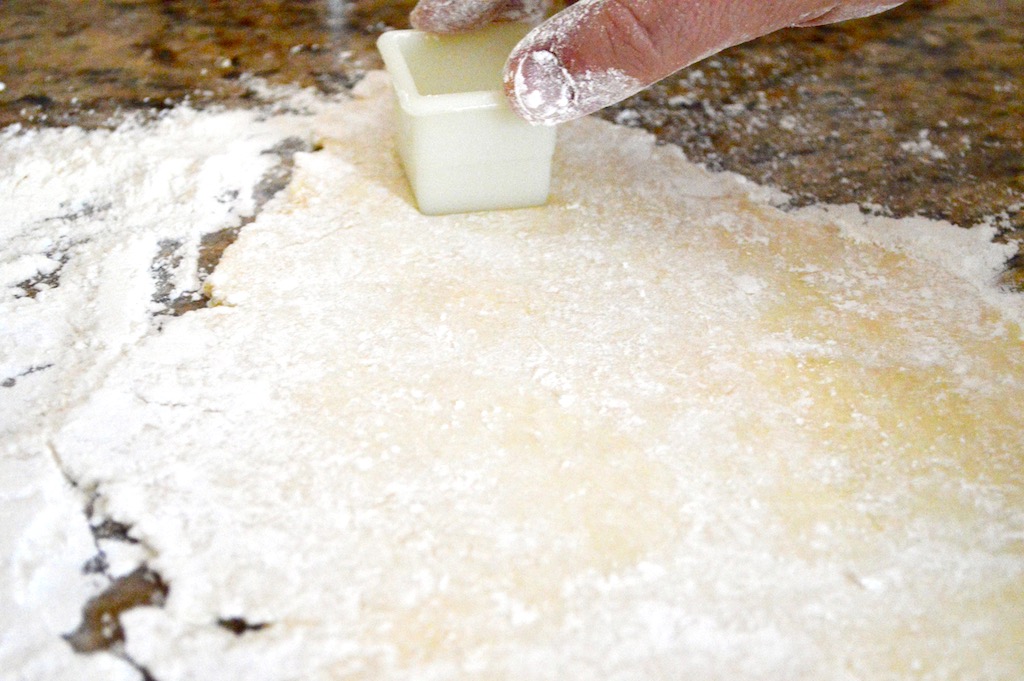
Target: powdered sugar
x,y
924,147
92,205
656,425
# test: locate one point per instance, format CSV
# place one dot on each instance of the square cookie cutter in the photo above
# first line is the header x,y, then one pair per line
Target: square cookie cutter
x,y
462,147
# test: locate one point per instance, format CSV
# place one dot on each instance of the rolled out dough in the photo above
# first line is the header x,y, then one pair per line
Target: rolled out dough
x,y
656,429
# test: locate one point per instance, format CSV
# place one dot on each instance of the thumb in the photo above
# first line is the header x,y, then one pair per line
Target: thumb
x,y
598,52
452,16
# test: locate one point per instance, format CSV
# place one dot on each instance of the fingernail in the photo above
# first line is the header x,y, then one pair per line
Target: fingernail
x,y
543,92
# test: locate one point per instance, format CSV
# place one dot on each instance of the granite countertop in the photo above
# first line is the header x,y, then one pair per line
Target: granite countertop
x,y
916,111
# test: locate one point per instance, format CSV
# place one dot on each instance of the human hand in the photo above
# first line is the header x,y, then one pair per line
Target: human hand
x,y
597,52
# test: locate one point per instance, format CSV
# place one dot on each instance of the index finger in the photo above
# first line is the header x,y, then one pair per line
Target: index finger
x,y
598,52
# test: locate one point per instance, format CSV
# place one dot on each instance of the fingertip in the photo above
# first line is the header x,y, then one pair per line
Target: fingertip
x,y
546,84
539,88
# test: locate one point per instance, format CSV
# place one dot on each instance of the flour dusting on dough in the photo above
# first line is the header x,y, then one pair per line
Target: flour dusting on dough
x,y
656,427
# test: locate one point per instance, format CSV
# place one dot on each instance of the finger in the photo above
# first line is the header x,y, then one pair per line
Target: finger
x,y
449,16
527,11
452,16
598,52
851,10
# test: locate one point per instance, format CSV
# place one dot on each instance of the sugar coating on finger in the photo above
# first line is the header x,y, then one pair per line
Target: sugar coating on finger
x,y
598,89
546,90
528,11
546,96
547,93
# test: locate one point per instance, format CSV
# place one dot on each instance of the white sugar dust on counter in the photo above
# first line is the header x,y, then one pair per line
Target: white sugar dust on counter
x,y
656,427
